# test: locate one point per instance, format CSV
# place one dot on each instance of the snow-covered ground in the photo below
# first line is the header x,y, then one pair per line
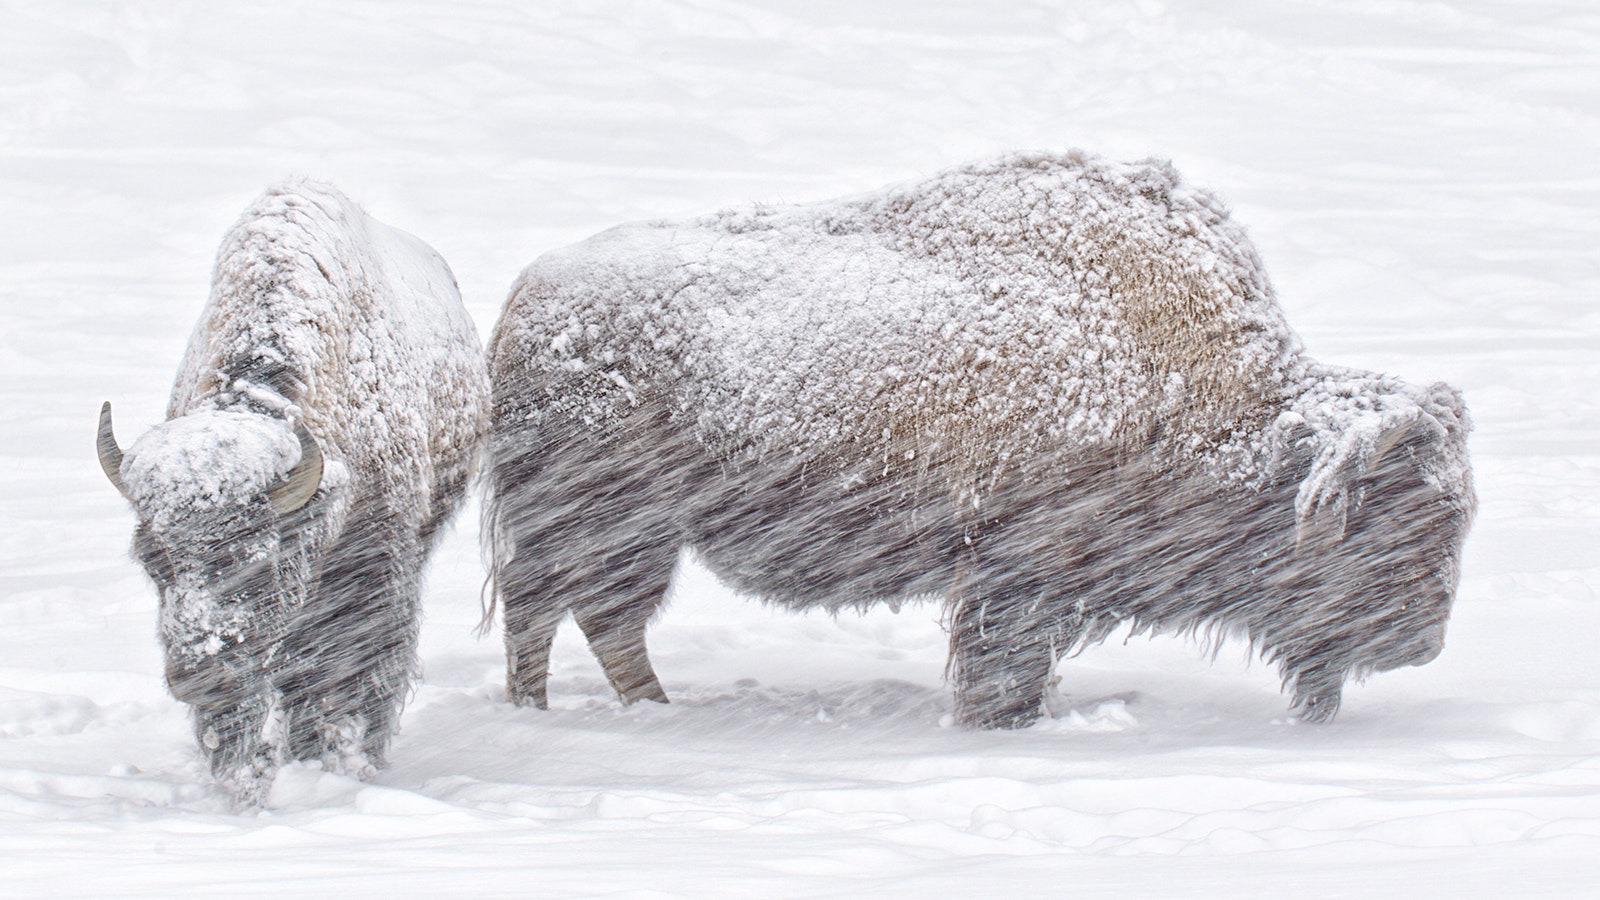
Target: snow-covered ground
x,y
1422,178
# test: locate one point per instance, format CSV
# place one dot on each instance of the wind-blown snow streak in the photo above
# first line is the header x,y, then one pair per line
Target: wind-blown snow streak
x,y
290,622
1055,390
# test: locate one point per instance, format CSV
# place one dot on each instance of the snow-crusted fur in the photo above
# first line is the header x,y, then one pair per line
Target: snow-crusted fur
x,y
293,633
1054,390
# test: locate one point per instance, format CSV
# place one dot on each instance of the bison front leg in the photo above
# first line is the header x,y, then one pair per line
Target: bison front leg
x,y
1001,653
1318,690
352,655
241,744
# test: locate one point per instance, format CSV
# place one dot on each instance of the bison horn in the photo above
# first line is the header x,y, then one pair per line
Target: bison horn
x,y
110,453
297,488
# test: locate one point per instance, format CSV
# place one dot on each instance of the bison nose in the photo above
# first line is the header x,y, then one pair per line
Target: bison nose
x,y
207,684
1426,655
1429,645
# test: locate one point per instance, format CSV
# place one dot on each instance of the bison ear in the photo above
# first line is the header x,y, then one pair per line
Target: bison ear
x,y
297,488
110,453
1385,445
1324,526
1326,521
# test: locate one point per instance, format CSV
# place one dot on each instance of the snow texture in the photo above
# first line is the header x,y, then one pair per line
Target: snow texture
x,y
1418,177
292,632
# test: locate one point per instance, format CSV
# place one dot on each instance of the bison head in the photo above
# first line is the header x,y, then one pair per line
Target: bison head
x,y
220,497
1377,568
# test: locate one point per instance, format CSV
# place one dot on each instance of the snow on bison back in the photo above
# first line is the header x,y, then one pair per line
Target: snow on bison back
x,y
1054,390
324,425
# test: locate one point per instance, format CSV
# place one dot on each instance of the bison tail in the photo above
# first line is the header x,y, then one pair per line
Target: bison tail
x,y
496,548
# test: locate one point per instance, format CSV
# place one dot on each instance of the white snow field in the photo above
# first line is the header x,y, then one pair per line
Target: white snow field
x,y
1423,179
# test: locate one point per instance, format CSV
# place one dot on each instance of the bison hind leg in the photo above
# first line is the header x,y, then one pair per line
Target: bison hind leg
x,y
585,522
529,632
616,636
612,593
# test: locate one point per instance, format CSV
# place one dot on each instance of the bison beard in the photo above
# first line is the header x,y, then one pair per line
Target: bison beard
x,y
1056,392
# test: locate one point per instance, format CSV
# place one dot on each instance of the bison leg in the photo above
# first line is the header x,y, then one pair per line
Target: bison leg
x,y
629,586
1317,693
1001,654
529,631
631,583
352,654
590,540
612,595
616,635
237,742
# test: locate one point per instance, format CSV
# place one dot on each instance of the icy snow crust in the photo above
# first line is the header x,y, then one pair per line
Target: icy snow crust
x,y
303,624
1054,307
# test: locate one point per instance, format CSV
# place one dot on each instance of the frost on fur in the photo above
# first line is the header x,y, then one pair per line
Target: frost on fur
x,y
323,426
1056,391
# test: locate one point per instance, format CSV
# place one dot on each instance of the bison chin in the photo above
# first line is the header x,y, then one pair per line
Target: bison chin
x,y
220,606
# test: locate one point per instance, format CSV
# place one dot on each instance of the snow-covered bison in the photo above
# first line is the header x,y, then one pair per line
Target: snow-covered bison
x,y
1056,391
325,422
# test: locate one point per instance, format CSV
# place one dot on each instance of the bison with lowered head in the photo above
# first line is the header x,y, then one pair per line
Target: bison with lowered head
x,y
1053,390
324,425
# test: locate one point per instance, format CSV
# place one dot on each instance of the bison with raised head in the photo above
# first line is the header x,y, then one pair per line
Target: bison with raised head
x,y
1053,390
324,424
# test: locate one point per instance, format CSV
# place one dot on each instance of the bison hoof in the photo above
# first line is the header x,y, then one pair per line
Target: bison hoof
x,y
631,699
524,698
652,692
994,720
1319,710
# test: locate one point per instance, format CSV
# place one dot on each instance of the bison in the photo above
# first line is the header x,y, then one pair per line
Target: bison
x,y
324,424
1055,391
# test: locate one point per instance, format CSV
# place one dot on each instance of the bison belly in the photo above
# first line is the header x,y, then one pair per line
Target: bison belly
x,y
802,540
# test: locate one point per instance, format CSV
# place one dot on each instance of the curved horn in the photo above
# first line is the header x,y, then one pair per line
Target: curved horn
x,y
296,489
110,453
